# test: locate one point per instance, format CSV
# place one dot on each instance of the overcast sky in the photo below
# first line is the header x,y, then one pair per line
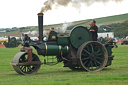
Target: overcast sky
x,y
20,13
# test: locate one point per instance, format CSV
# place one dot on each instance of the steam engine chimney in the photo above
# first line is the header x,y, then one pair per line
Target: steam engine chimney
x,y
40,26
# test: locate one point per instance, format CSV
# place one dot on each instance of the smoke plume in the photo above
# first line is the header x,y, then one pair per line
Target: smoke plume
x,y
32,32
75,3
64,27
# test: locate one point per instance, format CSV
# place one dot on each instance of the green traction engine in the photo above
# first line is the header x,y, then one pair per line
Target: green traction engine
x,y
76,50
12,42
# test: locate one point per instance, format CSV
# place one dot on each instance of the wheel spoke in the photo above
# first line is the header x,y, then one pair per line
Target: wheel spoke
x,y
87,48
21,67
92,48
85,58
32,58
100,54
26,58
91,65
95,63
33,66
86,51
30,68
98,62
22,59
83,54
25,68
85,62
99,58
98,51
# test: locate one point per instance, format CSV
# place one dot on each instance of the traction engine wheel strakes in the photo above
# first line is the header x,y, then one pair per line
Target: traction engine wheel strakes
x,y
92,56
22,66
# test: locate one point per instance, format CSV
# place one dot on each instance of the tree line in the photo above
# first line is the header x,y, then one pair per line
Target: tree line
x,y
120,29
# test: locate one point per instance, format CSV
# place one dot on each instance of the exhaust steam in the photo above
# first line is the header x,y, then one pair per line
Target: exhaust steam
x,y
75,3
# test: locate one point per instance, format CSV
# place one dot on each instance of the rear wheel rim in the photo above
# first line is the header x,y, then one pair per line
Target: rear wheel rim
x,y
92,56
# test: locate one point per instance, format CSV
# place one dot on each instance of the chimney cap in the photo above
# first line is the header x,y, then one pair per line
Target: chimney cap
x,y
40,14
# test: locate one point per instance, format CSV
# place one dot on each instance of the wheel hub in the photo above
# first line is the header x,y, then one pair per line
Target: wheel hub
x,y
93,56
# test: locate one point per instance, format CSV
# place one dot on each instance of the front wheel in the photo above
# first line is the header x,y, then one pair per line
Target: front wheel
x,y
21,58
92,56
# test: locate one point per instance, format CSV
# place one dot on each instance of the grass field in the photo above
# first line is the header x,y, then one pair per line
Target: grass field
x,y
116,74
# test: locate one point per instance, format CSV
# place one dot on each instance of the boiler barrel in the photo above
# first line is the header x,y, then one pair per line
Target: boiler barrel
x,y
54,50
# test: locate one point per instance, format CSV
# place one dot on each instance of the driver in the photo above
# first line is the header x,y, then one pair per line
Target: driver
x,y
52,35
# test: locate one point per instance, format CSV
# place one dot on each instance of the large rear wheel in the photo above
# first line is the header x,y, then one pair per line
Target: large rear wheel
x,y
92,56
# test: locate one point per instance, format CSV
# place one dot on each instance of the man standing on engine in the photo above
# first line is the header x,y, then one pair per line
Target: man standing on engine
x,y
94,29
